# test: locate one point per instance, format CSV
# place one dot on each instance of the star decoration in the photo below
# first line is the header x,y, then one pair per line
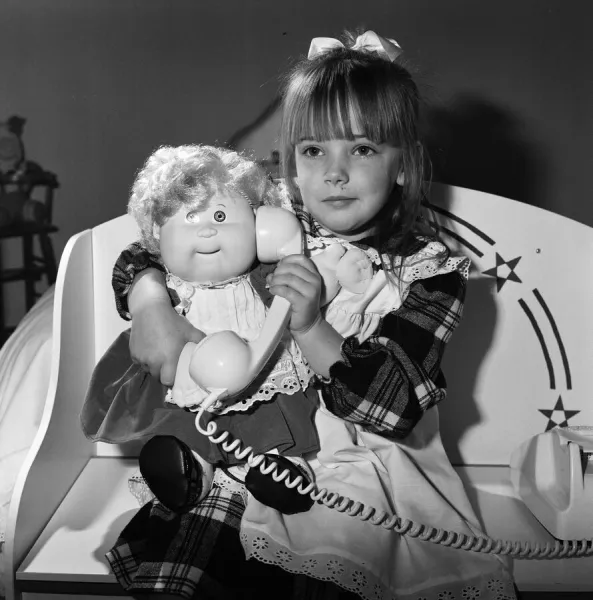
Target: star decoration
x,y
503,271
558,416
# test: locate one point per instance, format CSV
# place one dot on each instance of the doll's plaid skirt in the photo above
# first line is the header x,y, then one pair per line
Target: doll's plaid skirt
x,y
199,555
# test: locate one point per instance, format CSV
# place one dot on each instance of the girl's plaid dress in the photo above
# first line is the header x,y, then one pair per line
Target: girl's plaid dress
x,y
199,554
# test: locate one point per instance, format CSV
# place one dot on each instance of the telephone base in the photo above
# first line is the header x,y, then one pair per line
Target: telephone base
x,y
553,476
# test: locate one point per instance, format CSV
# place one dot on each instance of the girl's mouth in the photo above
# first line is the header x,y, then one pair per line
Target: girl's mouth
x,y
207,251
337,198
338,201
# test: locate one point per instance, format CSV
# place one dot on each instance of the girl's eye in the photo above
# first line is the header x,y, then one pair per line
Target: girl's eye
x,y
364,151
219,216
311,151
193,216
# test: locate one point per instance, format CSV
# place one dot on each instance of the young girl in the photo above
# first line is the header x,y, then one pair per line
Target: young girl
x,y
353,166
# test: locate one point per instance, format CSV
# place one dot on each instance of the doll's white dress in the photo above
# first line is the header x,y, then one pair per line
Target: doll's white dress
x,y
240,304
412,478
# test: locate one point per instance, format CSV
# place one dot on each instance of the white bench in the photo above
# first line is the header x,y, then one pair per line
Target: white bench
x,y
525,342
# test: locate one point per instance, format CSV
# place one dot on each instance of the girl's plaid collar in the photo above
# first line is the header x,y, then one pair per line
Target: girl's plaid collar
x,y
310,225
313,229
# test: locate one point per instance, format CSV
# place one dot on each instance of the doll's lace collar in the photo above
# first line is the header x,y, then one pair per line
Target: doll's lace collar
x,y
180,283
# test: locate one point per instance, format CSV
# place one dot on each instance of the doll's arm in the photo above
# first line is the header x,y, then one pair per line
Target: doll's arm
x,y
158,333
133,260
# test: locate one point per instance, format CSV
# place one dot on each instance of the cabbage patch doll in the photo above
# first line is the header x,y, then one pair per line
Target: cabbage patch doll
x,y
196,209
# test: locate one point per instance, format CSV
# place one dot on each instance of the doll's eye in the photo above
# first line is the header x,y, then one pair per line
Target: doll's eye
x,y
219,216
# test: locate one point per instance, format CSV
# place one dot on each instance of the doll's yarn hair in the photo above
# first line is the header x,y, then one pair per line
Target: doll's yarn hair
x,y
190,175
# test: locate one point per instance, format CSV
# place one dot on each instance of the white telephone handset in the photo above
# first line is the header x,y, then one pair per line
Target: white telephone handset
x,y
553,476
223,364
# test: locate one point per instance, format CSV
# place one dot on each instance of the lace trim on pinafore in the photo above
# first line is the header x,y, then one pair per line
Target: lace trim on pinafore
x,y
348,575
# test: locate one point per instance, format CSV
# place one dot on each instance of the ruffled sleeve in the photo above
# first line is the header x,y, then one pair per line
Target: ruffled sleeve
x,y
386,382
134,259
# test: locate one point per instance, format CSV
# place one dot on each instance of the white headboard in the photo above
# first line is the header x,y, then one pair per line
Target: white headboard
x,y
525,345
520,361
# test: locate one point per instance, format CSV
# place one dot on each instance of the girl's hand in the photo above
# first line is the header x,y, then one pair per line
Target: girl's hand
x,y
157,338
158,333
297,279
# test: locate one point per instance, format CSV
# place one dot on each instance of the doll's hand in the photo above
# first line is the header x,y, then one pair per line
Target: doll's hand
x,y
327,262
297,279
157,338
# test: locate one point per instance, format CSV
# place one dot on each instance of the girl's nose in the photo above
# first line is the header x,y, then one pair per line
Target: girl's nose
x,y
337,172
207,231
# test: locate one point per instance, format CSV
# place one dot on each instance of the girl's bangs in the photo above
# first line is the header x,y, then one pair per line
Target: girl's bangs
x,y
320,117
340,112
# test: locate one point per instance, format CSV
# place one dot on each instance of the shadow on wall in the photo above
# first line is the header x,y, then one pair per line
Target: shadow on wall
x,y
462,365
467,350
475,144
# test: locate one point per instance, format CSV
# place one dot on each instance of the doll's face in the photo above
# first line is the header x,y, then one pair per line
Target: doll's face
x,y
211,244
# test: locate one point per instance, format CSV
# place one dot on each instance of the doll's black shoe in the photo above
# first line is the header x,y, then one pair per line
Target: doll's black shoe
x,y
171,472
274,493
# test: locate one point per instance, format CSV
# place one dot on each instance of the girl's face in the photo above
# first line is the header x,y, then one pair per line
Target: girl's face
x,y
214,243
344,184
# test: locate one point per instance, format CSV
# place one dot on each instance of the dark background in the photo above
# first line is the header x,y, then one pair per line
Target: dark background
x,y
508,84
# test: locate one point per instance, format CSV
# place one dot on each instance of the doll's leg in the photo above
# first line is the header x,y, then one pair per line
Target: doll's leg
x,y
178,477
275,494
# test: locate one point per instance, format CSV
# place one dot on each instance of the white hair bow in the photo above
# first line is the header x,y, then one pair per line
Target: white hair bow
x,y
369,41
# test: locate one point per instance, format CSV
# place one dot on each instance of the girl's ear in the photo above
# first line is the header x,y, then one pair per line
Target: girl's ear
x,y
156,231
295,180
401,178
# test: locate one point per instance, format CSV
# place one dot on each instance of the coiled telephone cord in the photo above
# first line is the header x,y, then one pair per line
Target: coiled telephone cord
x,y
469,543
